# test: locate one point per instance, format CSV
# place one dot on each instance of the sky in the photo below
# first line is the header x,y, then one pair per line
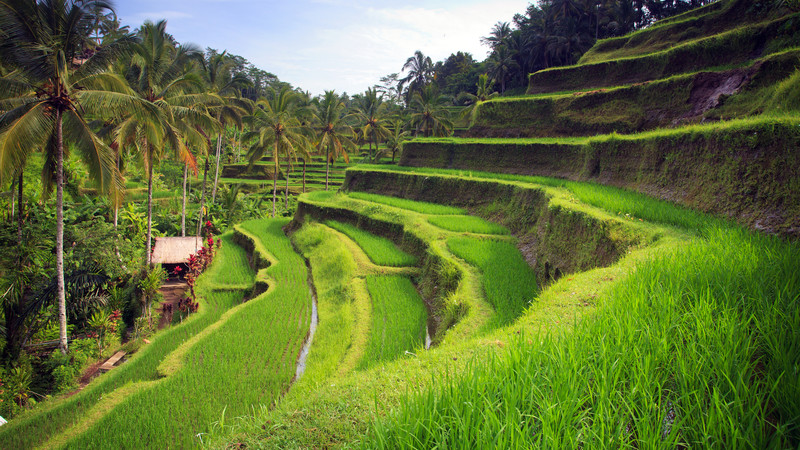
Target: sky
x,y
318,45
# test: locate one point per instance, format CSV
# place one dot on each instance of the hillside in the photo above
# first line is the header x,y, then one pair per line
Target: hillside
x,y
609,261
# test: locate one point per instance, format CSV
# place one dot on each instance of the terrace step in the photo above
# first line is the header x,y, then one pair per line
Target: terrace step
x,y
634,108
733,47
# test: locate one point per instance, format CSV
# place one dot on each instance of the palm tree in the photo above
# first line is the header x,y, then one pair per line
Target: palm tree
x,y
500,32
49,44
420,72
501,63
397,135
483,93
429,113
371,111
222,81
333,133
277,127
159,76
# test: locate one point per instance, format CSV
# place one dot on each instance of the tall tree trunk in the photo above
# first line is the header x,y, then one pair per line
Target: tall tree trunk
x,y
275,178
216,175
286,193
183,207
60,292
149,258
19,212
202,200
327,166
117,199
304,175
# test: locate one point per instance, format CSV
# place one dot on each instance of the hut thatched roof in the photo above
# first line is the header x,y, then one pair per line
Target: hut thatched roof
x,y
175,250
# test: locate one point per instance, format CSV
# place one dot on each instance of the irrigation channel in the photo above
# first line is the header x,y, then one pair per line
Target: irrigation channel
x,y
312,328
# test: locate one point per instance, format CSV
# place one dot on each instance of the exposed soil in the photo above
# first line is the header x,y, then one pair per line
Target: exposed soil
x,y
172,291
708,87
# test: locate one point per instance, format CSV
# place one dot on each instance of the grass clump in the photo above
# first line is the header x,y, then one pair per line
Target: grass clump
x,y
380,250
411,205
398,319
467,224
508,281
696,348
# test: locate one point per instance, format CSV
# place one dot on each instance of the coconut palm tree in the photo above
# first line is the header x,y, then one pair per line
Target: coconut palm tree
x,y
501,64
420,73
500,32
333,133
429,115
371,112
222,81
66,78
394,142
160,74
483,93
276,128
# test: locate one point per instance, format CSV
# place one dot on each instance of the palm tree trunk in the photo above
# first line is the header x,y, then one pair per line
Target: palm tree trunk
x,y
19,213
327,167
149,249
216,175
117,199
202,199
304,175
275,179
183,208
286,193
61,295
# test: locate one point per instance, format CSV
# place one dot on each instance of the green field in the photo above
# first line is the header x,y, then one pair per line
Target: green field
x,y
468,224
380,250
402,203
398,319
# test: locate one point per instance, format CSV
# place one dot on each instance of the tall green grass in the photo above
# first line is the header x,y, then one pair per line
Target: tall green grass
x,y
614,200
35,427
467,224
248,359
381,251
697,348
411,205
398,319
333,270
508,281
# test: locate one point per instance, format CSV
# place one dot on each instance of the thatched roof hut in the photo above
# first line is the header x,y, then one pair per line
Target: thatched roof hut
x,y
175,250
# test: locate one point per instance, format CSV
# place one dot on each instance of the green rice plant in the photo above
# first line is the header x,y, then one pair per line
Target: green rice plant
x,y
34,428
398,319
468,224
508,281
246,358
338,302
696,348
615,200
381,251
411,205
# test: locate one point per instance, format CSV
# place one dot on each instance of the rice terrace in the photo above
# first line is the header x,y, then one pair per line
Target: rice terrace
x,y
588,238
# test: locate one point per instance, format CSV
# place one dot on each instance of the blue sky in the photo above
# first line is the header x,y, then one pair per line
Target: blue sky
x,y
346,45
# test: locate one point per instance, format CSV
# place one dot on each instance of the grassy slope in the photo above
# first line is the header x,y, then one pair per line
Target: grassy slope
x,y
222,360
35,427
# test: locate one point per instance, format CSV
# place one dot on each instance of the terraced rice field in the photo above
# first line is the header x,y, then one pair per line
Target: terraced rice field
x,y
380,251
398,319
508,280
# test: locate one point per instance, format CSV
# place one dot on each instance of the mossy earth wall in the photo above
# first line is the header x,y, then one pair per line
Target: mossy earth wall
x,y
749,172
734,47
553,239
439,277
639,107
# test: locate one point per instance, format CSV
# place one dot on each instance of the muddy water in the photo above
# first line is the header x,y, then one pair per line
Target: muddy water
x,y
301,361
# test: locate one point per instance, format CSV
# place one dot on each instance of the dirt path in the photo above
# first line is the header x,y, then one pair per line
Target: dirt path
x,y
172,291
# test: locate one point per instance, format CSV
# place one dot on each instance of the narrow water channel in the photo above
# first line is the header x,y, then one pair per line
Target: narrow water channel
x,y
301,361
